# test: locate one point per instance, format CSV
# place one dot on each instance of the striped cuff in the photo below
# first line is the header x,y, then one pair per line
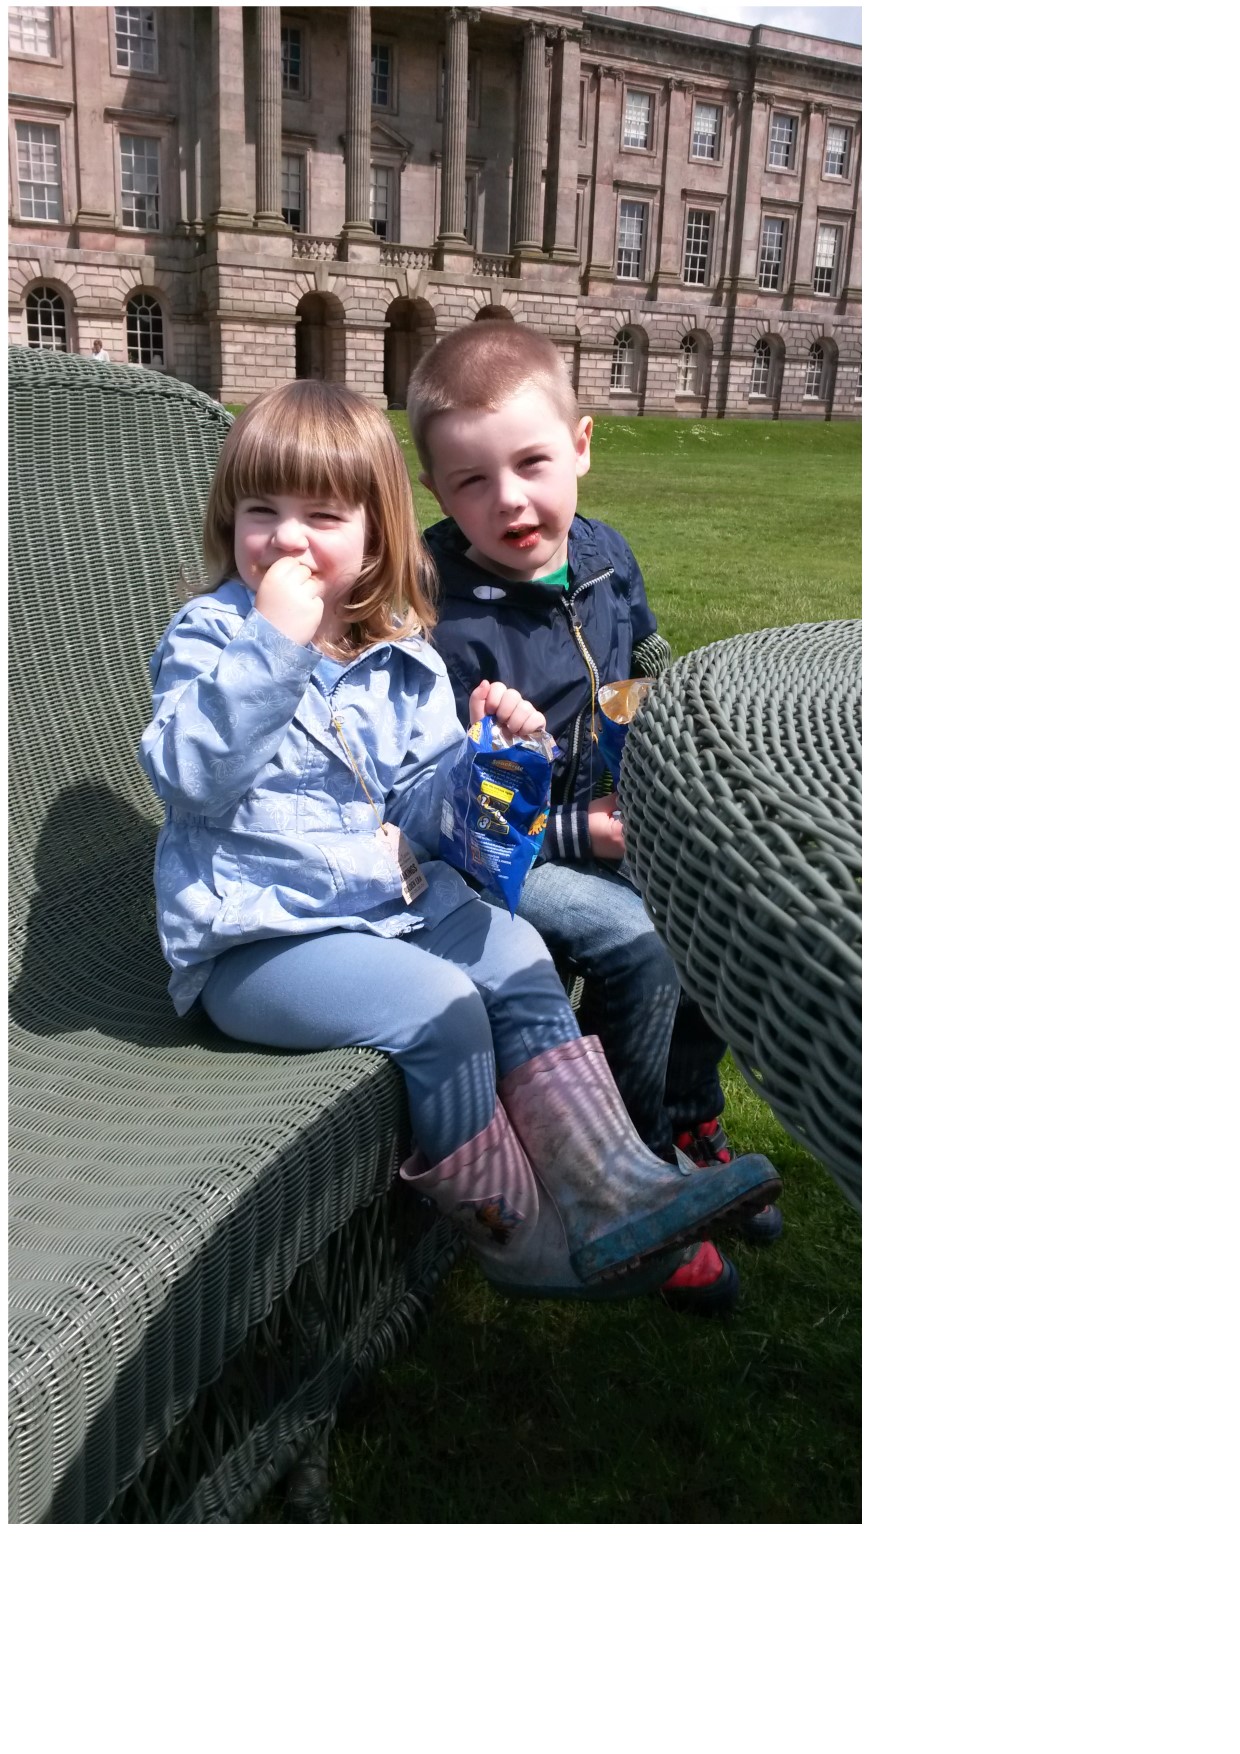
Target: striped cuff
x,y
568,833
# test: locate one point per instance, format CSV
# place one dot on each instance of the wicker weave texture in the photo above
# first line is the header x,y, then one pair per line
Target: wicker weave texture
x,y
165,1184
741,795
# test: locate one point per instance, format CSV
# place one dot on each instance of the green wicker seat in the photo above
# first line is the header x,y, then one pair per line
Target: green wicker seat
x,y
742,812
206,1246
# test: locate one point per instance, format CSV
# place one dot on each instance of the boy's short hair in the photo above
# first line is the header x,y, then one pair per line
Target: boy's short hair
x,y
484,365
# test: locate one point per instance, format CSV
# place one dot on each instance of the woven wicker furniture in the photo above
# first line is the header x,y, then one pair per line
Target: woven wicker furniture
x,y
206,1247
741,795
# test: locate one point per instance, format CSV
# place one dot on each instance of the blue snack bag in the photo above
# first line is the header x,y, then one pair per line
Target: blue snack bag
x,y
495,808
619,704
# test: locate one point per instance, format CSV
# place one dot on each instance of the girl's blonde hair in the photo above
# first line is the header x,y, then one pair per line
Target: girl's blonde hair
x,y
321,441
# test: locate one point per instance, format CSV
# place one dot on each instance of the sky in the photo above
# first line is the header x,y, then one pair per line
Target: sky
x,y
841,22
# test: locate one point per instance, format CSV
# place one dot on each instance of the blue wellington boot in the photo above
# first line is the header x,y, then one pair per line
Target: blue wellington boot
x,y
488,1189
619,1202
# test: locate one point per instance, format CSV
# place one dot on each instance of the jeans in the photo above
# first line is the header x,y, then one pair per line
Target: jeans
x,y
663,1055
457,1005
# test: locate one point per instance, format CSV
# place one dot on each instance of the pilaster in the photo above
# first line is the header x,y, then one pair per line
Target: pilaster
x,y
358,235
531,141
267,213
563,149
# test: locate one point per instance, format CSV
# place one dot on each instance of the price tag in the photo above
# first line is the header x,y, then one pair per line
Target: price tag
x,y
412,882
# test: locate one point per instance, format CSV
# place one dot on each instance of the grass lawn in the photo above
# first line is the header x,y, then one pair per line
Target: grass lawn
x,y
508,1411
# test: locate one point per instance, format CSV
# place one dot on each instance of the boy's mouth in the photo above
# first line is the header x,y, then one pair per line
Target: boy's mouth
x,y
521,535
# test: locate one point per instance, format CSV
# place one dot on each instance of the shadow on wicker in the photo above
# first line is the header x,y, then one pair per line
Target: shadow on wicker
x,y
206,1247
742,809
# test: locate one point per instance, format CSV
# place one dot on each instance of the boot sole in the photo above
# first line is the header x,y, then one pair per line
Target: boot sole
x,y
685,1219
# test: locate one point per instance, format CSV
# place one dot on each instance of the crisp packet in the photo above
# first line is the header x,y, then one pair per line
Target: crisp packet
x,y
619,704
495,807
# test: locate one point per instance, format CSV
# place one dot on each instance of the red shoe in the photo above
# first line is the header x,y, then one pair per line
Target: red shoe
x,y
707,1284
706,1144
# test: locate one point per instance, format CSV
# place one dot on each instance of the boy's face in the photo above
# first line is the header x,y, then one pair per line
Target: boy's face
x,y
509,477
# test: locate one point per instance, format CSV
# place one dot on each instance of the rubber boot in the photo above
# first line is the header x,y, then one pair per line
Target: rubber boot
x,y
620,1203
487,1188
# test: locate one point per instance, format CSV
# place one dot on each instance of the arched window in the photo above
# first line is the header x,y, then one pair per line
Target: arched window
x,y
760,375
623,356
813,373
689,380
144,330
46,323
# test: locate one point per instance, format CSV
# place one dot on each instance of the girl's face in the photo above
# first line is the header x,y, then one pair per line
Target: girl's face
x,y
327,537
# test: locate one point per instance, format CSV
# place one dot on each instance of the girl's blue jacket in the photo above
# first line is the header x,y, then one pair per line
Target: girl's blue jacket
x,y
555,647
267,829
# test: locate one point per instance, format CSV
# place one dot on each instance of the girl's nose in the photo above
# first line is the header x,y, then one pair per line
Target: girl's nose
x,y
290,535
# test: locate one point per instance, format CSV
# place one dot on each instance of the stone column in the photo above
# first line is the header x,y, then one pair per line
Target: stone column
x,y
455,121
267,212
814,126
357,131
228,207
531,141
602,265
563,148
671,205
852,295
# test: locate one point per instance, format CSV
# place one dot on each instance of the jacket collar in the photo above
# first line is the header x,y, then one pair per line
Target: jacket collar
x,y
460,576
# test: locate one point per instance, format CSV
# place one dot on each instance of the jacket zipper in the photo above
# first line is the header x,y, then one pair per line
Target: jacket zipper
x,y
574,759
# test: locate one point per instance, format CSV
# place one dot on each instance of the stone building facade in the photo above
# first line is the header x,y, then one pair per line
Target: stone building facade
x,y
240,195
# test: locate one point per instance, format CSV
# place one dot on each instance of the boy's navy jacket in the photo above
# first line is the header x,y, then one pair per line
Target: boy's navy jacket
x,y
557,648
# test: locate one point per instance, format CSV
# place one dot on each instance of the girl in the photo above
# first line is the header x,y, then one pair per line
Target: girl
x,y
302,734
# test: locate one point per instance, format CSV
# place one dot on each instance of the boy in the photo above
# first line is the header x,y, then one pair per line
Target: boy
x,y
555,604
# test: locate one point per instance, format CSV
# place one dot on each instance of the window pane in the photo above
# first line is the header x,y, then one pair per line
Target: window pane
x,y
698,229
380,75
826,253
622,361
760,376
837,152
381,198
38,171
135,38
771,255
687,382
139,182
292,198
630,235
637,108
45,320
783,142
144,330
30,30
705,131
813,375
290,57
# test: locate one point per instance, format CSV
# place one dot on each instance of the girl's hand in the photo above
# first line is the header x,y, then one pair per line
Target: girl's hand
x,y
288,595
510,710
606,828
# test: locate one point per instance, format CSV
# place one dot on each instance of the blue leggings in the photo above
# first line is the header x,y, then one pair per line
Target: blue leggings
x,y
457,1005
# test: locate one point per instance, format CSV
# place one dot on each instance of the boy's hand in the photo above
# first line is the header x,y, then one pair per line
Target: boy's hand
x,y
288,596
510,710
606,828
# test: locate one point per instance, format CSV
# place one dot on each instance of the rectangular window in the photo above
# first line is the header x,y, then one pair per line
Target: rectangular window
x,y
771,254
292,65
783,151
707,121
630,240
638,110
293,190
826,256
139,182
837,151
31,31
38,170
381,199
381,76
699,234
135,38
